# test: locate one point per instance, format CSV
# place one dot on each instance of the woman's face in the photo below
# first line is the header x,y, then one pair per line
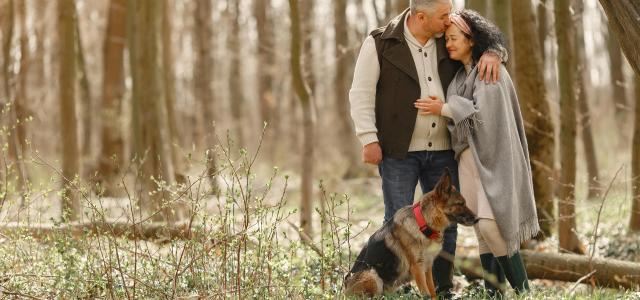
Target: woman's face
x,y
458,45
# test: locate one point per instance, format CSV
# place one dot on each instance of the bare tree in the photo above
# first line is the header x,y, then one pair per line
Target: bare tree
x,y
566,61
86,103
66,95
502,18
303,95
617,77
203,80
634,223
543,27
532,93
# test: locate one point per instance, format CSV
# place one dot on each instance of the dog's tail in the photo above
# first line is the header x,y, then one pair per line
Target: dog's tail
x,y
365,283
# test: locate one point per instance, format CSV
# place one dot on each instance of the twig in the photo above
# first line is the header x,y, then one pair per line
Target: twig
x,y
580,280
306,239
595,230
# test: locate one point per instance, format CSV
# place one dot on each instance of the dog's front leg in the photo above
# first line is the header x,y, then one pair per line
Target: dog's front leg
x,y
420,277
430,284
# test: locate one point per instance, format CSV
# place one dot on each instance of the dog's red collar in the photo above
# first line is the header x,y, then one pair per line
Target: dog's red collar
x,y
430,233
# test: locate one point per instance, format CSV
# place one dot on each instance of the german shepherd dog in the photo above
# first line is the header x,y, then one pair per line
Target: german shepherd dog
x,y
402,249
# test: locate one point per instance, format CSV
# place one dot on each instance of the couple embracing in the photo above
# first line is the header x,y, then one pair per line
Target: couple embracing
x,y
430,92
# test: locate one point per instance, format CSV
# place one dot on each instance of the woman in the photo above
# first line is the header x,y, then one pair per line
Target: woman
x,y
488,138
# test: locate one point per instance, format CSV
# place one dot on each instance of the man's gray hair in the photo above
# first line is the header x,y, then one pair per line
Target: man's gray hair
x,y
428,6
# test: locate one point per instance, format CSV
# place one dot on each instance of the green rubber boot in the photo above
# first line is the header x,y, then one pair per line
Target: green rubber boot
x,y
515,272
492,274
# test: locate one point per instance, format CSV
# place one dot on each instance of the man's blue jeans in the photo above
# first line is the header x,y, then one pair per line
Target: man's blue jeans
x,y
401,176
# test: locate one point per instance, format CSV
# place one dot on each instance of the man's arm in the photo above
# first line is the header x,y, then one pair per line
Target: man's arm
x,y
362,98
489,63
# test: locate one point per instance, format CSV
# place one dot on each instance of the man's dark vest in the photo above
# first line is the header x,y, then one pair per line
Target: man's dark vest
x,y
399,87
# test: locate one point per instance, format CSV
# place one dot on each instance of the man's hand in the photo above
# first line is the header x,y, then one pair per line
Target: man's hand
x,y
489,67
372,153
431,106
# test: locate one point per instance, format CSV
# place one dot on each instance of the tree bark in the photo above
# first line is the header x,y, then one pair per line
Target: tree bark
x,y
303,95
203,80
307,20
610,273
623,22
634,223
566,61
68,123
21,101
532,93
583,77
112,156
235,77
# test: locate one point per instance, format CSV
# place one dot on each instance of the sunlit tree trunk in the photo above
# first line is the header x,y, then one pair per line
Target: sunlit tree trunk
x,y
22,98
566,63
66,96
86,103
303,95
619,96
583,77
532,93
634,224
307,28
203,79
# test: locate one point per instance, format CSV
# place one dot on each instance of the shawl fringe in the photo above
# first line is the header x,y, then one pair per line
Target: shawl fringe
x,y
465,127
528,229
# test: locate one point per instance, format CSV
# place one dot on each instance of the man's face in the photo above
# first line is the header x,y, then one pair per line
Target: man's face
x,y
438,21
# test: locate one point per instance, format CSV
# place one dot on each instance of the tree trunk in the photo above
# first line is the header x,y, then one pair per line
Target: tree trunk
x,y
623,23
610,273
532,93
302,93
153,148
502,17
235,77
112,156
583,77
307,19
634,224
203,79
566,61
398,7
344,58
266,71
169,80
22,100
617,80
86,103
68,123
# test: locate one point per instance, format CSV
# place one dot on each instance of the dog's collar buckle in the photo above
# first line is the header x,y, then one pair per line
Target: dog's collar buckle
x,y
422,223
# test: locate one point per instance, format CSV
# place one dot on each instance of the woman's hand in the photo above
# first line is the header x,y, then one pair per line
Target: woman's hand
x,y
430,106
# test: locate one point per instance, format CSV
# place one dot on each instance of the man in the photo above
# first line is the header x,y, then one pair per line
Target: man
x,y
401,63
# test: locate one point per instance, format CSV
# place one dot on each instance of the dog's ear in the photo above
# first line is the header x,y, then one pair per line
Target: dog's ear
x,y
443,187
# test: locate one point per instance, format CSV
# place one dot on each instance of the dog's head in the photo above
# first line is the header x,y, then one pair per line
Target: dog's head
x,y
449,200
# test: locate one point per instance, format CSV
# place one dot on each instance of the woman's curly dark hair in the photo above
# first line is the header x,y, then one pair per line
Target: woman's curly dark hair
x,y
484,33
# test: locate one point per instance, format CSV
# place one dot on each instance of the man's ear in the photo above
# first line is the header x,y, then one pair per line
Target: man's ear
x,y
443,187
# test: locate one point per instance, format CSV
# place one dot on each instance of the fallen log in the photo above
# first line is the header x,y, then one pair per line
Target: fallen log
x,y
610,273
146,231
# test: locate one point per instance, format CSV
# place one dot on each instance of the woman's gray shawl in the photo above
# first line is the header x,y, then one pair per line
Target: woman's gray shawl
x,y
487,119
